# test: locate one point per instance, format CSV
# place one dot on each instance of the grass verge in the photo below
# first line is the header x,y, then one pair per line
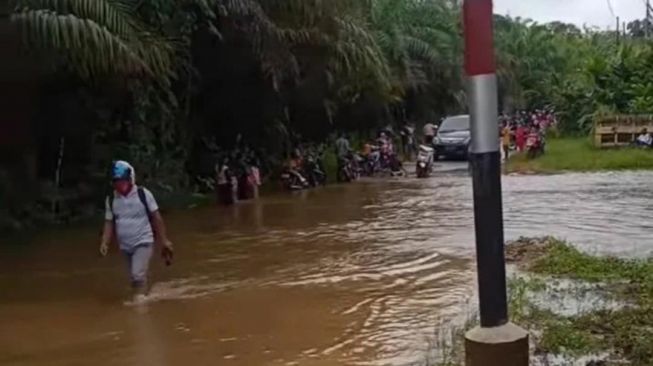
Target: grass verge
x,y
578,154
624,332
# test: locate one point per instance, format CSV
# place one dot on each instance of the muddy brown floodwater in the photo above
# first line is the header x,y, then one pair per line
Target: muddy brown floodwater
x,y
358,274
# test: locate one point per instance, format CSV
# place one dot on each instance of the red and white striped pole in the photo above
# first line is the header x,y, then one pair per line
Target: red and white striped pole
x,y
485,159
496,341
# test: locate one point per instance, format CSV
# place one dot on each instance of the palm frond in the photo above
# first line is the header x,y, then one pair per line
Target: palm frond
x,y
94,48
421,49
96,36
111,14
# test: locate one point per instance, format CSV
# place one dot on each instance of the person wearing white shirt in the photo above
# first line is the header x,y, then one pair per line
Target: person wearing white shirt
x,y
644,139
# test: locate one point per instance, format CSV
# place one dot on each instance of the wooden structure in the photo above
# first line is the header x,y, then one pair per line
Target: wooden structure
x,y
620,130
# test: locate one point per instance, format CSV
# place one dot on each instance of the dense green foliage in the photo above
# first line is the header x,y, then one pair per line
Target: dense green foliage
x,y
162,82
581,73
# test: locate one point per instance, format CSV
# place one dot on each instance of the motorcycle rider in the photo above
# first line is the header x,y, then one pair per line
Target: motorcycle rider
x,y
429,131
385,149
295,165
367,149
312,165
372,156
383,141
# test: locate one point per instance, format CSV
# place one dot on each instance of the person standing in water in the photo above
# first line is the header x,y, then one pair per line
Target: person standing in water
x,y
132,219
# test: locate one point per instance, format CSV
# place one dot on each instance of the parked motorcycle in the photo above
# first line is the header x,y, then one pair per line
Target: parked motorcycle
x,y
358,164
314,169
394,166
347,169
292,182
372,163
425,158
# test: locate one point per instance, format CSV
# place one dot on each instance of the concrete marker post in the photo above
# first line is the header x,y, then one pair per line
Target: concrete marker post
x,y
496,341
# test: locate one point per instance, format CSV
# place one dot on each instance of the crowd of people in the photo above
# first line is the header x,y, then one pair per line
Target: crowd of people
x,y
237,172
526,131
304,168
376,156
234,174
237,175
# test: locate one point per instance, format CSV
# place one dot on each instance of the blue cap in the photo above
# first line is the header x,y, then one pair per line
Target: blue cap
x,y
121,170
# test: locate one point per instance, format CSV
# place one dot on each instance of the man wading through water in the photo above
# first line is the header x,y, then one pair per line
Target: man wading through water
x,y
132,218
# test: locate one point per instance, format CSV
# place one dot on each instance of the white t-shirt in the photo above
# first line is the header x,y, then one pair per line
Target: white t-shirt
x,y
133,226
644,138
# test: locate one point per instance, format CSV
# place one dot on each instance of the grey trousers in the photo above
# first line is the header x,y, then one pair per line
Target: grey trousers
x,y
138,263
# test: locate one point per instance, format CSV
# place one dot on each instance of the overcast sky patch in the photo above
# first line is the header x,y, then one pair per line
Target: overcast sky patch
x,y
590,12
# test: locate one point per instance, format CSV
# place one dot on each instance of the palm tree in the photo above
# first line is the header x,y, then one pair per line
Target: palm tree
x,y
338,30
530,57
95,37
414,35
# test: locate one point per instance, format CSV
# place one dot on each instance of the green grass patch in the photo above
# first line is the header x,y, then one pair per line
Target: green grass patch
x,y
564,260
626,332
629,331
555,334
578,154
563,337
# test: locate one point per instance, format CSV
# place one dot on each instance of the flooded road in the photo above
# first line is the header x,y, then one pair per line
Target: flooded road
x,y
358,274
